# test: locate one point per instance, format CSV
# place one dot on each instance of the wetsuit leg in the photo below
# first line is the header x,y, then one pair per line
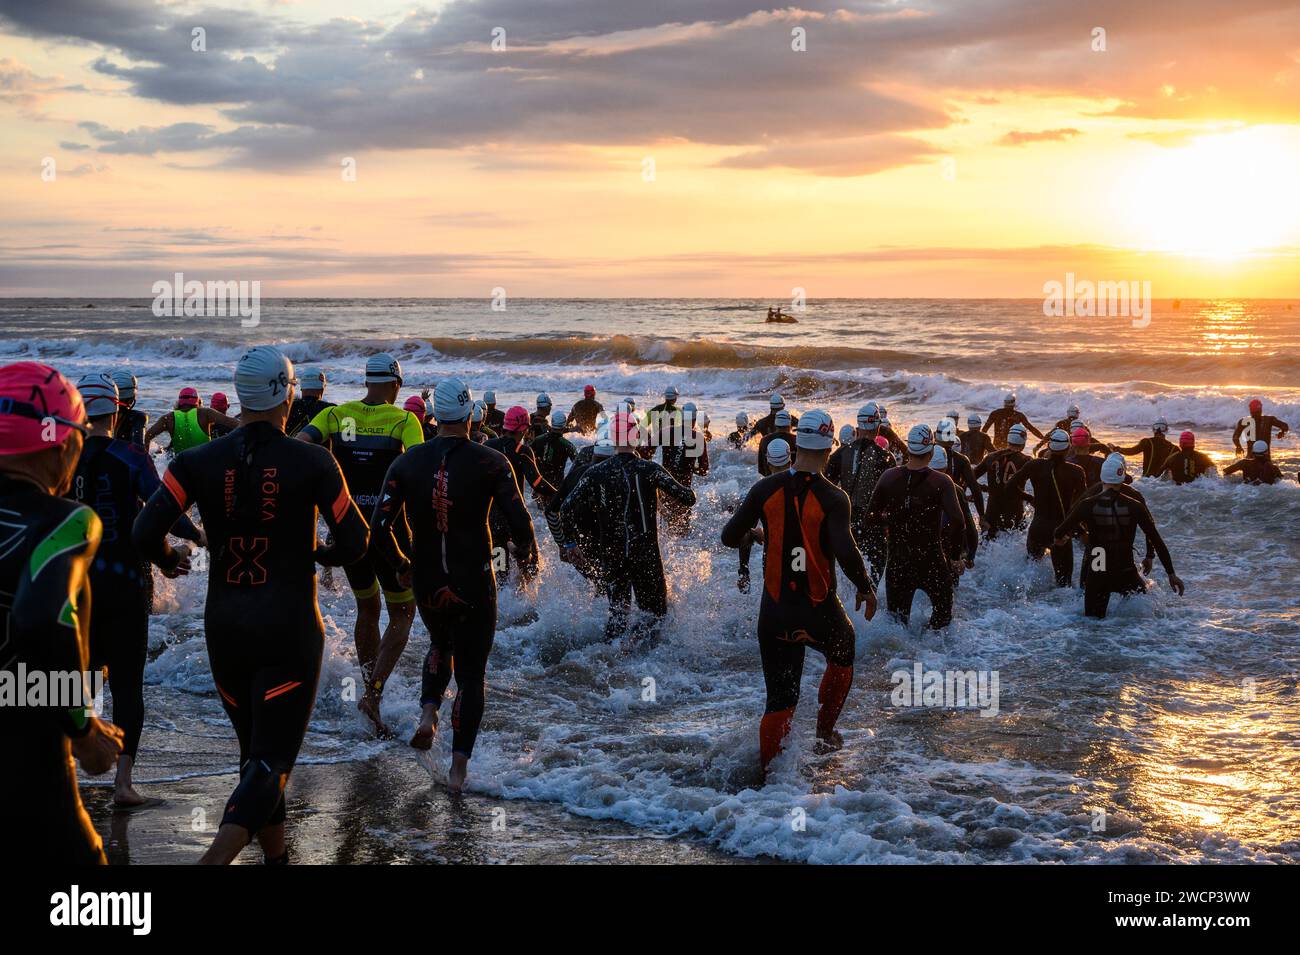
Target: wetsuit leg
x,y
937,582
900,586
651,589
618,588
782,669
1039,541
1101,585
461,644
119,640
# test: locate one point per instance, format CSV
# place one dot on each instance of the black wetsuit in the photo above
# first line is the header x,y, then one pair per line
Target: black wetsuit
x,y
856,468
1058,484
736,440
115,479
553,451
527,475
684,460
1186,465
1001,421
1091,465
1255,471
494,419
911,504
764,468
976,445
963,475
258,492
1155,451
805,522
1258,428
302,411
621,496
588,529
1110,517
131,426
584,415
47,545
767,424
445,489
1006,503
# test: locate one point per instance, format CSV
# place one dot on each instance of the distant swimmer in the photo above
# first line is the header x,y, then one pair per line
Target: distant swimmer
x,y
911,502
189,425
513,443
958,467
1006,501
1058,485
663,421
132,423
685,459
1155,450
737,438
621,495
494,417
847,432
855,468
805,533
1001,420
586,412
115,479
1066,424
366,436
1257,427
767,424
418,405
1109,516
1187,464
259,492
444,489
975,444
553,451
45,618
959,539
220,403
783,431
478,432
778,459
1258,469
1081,448
540,420
309,403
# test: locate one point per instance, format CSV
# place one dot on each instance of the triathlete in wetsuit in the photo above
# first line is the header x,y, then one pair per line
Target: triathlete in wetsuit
x,y
767,424
588,527
47,545
782,430
189,425
856,468
553,451
513,443
131,422
1006,504
685,458
622,496
910,501
1001,420
1110,517
805,533
493,418
1259,469
1187,464
366,436
1155,450
222,404
587,412
736,440
958,466
1257,427
1058,484
309,403
115,479
1081,447
259,492
960,539
975,444
445,489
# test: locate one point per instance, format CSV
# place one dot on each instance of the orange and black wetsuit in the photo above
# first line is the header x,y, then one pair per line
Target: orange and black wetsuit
x,y
47,545
1155,450
912,504
1006,504
1057,485
805,521
445,488
259,492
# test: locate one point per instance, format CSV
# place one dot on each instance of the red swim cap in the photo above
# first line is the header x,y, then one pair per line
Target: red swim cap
x,y
625,430
1080,437
516,419
589,391
1187,439
220,402
1256,406
882,441
415,404
188,398
31,394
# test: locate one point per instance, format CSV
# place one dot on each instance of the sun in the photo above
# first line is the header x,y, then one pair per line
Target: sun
x,y
1223,196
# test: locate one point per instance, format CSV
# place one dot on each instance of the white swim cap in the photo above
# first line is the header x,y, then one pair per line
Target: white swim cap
x,y
846,434
1114,469
452,400
558,419
742,420
939,460
543,401
776,401
311,379
670,392
1017,435
782,418
946,431
383,368
1058,440
778,453
477,412
98,394
868,415
1260,447
1009,399
1160,425
920,439
816,431
126,385
490,397
263,378
1072,412
974,421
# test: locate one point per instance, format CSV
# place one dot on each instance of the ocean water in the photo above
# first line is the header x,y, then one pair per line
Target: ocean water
x,y
1168,732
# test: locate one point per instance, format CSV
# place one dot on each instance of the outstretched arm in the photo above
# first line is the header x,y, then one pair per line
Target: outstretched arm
x,y
742,521
164,423
666,483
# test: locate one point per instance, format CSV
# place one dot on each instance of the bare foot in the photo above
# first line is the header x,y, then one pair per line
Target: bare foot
x,y
829,743
423,738
125,797
459,769
369,705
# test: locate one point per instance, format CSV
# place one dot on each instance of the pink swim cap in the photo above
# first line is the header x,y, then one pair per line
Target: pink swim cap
x,y
1080,437
220,402
882,441
1187,439
625,430
517,419
31,394
188,398
415,404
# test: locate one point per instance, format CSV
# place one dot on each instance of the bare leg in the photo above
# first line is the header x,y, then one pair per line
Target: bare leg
x,y
459,770
230,841
124,793
396,634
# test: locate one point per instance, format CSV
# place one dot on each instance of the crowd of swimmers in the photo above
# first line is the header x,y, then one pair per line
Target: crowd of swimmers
x,y
424,511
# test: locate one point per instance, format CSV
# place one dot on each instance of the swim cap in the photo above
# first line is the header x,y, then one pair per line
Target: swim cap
x,y
1187,440
689,408
1161,425
99,394
126,385
381,368
782,419
311,379
1114,469
868,415
778,454
490,397
452,400
220,402
558,419
1058,440
188,398
882,442
264,378
589,391
846,434
1017,435
920,440
31,394
670,392
974,421
516,419
939,460
946,431
1072,412
477,412
776,401
543,401
954,414
1009,399
882,411
815,432
415,404
604,446
631,404
1080,437
742,420
1260,447
625,431
1256,406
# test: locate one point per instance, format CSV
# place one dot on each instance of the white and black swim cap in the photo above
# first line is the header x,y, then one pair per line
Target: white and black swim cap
x,y
920,440
264,378
1017,435
778,453
816,431
939,460
99,394
311,379
382,368
126,385
1058,440
452,400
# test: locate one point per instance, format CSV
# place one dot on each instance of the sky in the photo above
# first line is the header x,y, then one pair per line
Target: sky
x,y
605,148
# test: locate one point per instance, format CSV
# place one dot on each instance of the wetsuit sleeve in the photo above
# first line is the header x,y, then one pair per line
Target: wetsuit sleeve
x,y
1025,421
1070,523
666,483
951,501
1138,448
1237,467
575,502
1148,526
411,432
1282,426
530,473
834,470
215,417
163,510
976,493
158,427
1023,473
743,520
570,452
50,618
347,527
1236,434
842,544
321,427
505,495
147,482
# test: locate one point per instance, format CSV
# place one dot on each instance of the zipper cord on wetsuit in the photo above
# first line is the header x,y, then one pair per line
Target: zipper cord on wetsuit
x,y
441,468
